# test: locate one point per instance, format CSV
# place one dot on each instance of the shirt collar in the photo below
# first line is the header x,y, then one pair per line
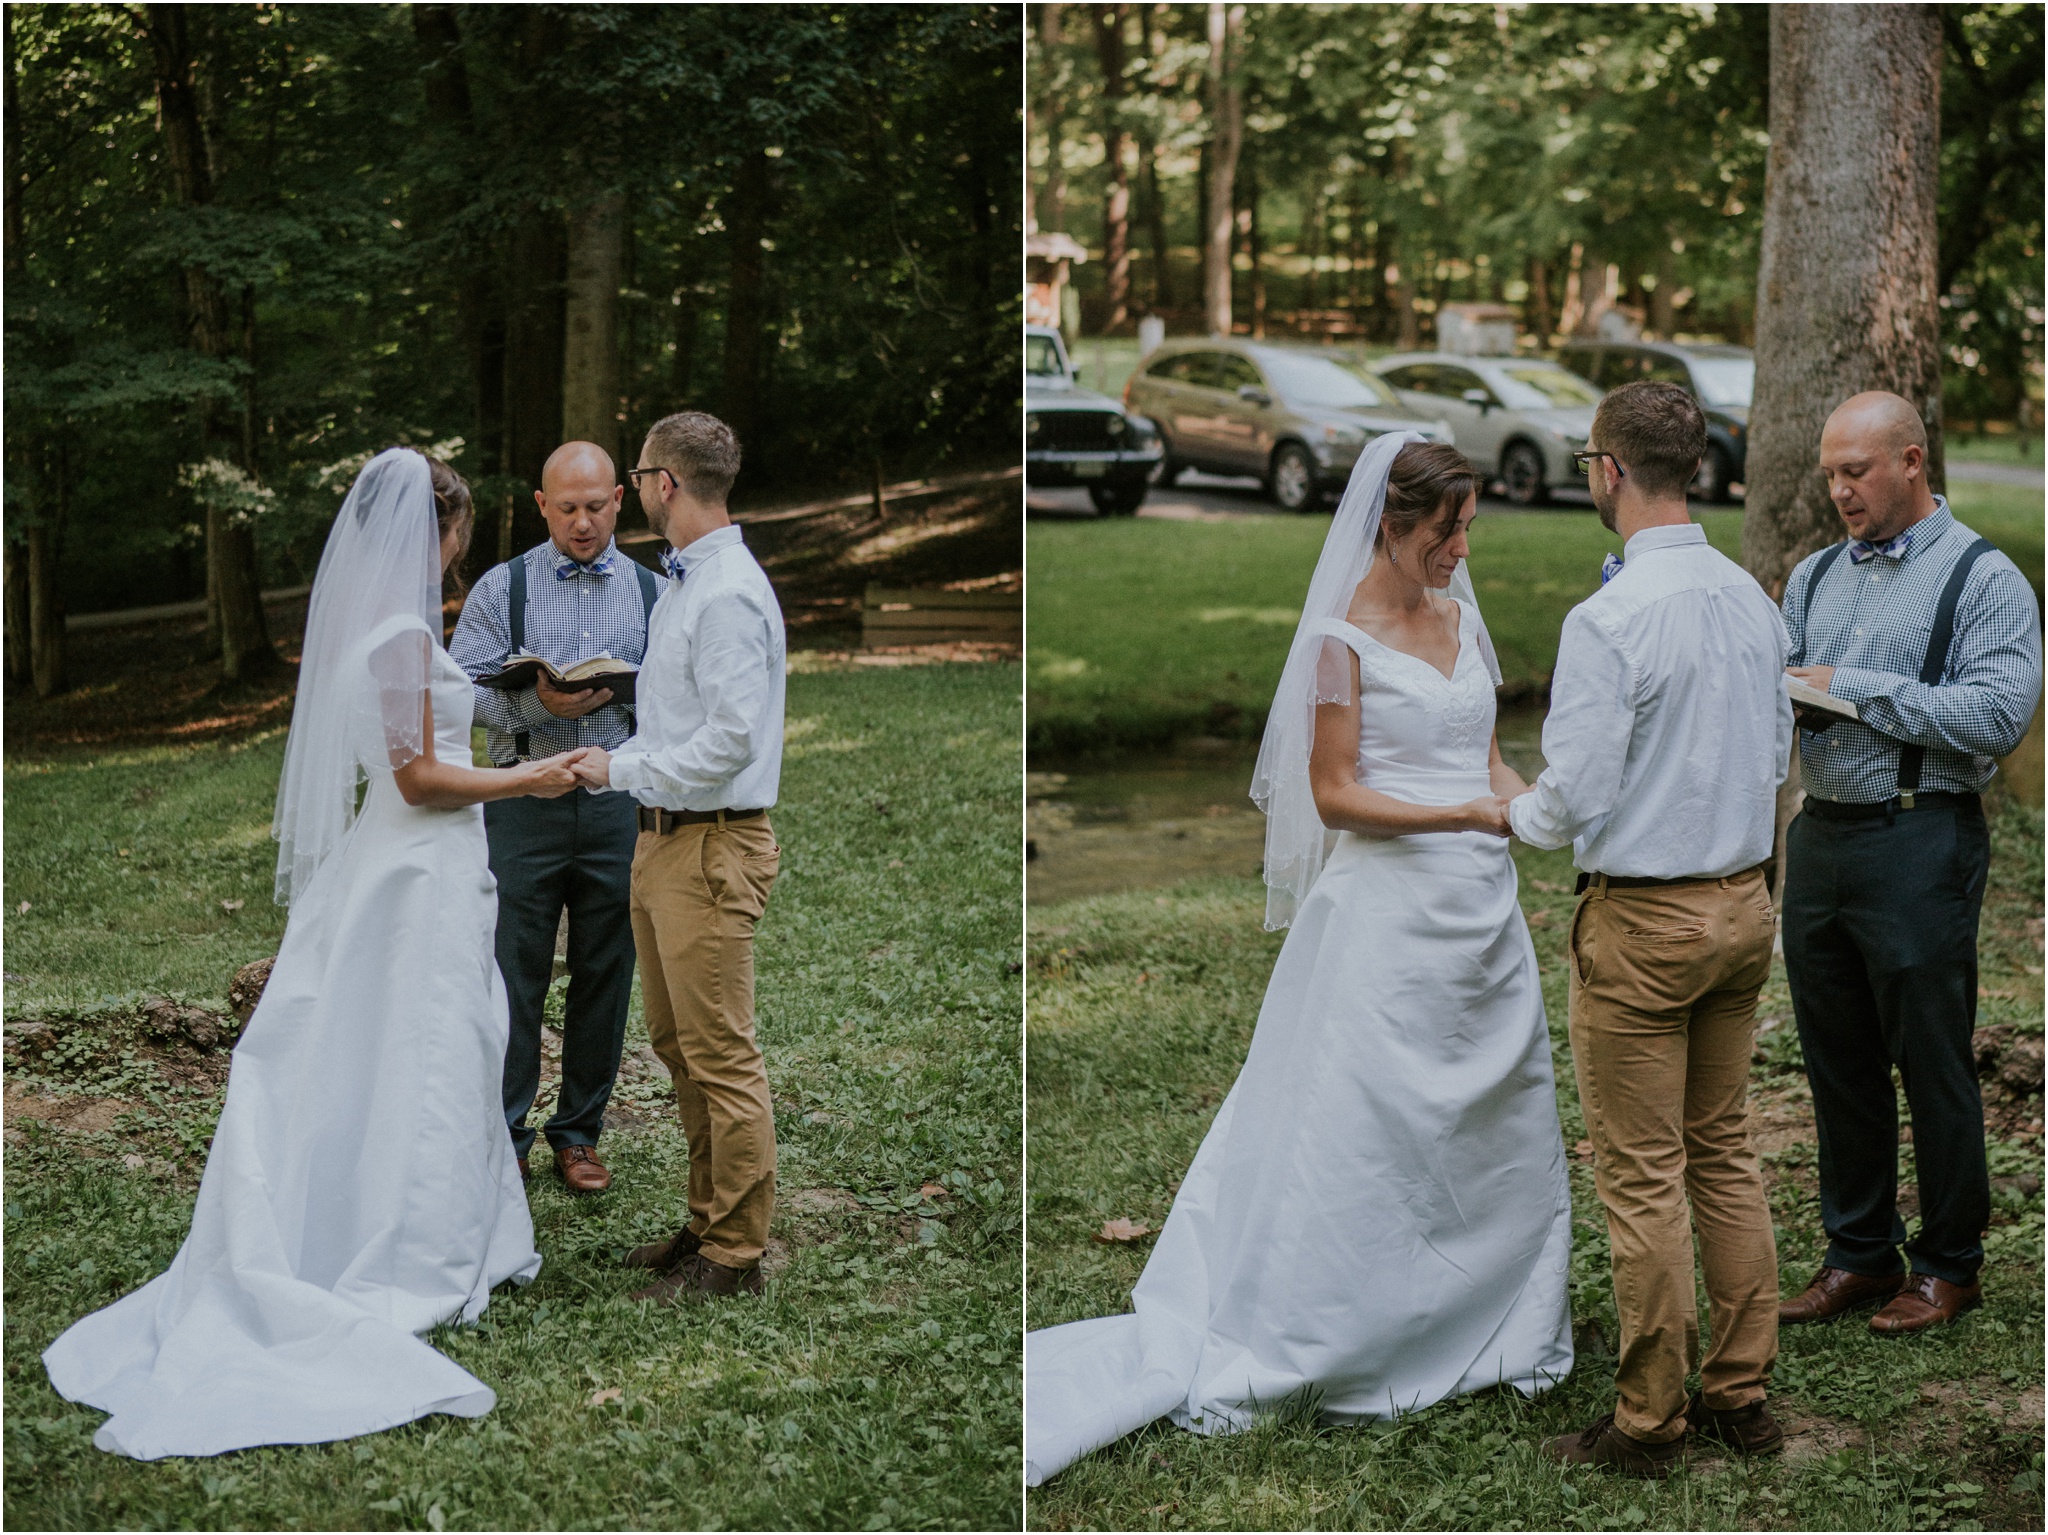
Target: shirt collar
x,y
566,566
1671,536
1929,528
695,553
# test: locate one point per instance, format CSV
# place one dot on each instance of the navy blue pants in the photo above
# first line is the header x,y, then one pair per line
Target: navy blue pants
x,y
548,854
1881,949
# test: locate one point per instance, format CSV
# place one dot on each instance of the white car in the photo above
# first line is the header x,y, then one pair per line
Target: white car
x,y
1521,418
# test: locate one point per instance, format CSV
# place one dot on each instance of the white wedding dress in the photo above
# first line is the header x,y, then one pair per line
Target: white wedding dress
x,y
361,1188
1379,1216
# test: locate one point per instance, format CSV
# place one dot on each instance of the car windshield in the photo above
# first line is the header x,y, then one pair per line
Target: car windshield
x,y
1724,381
1316,381
1546,388
1042,358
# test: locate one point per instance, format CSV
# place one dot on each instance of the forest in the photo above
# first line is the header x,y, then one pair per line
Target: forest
x,y
249,245
1344,171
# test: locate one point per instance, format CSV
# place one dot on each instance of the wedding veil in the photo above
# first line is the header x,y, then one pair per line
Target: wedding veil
x,y
374,618
1318,671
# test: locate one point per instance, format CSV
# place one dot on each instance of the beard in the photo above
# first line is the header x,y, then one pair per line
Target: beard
x,y
1603,503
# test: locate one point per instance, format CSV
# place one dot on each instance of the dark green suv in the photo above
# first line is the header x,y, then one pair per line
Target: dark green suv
x,y
1720,378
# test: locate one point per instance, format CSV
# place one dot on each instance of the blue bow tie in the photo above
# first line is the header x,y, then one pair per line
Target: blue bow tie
x,y
672,562
1891,549
1610,567
567,569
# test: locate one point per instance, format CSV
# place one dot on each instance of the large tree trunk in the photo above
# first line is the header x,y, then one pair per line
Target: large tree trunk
x,y
1226,129
45,543
1052,204
236,603
746,299
590,362
1541,320
1116,206
1846,280
20,644
533,355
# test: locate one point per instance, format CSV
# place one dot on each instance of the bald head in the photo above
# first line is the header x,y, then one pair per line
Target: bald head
x,y
579,496
1873,451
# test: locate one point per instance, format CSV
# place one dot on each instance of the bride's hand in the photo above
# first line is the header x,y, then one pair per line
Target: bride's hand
x,y
1488,813
549,777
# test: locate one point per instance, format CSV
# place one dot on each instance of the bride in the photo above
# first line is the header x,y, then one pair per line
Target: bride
x,y
360,1189
1379,1218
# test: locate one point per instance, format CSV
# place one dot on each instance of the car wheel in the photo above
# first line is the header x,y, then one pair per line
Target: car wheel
x,y
1171,466
1118,500
1711,483
1521,474
1292,480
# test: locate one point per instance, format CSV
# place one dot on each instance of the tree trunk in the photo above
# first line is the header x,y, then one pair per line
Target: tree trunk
x,y
19,646
533,353
1116,207
1255,248
235,599
746,301
45,544
1846,276
1663,314
590,357
1541,320
1155,223
1226,127
1052,207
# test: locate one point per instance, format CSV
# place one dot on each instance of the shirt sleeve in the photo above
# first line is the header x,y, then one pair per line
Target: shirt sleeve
x,y
731,656
1793,611
1585,737
1986,699
482,642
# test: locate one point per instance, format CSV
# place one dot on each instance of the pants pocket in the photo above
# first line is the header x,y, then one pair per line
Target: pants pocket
x,y
1580,941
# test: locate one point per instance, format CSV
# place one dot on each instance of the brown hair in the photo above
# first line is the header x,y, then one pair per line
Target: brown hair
x,y
1429,480
452,509
700,450
1657,430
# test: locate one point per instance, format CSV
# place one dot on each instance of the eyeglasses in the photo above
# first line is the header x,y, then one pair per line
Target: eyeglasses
x,y
1583,458
634,474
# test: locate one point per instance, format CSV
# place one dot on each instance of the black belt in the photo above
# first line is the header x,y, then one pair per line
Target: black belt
x,y
662,822
1644,881
1885,809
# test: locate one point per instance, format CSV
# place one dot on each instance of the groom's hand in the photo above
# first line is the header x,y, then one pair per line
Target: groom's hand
x,y
569,706
594,767
1815,677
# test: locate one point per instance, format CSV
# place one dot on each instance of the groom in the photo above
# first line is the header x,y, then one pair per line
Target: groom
x,y
704,764
1668,734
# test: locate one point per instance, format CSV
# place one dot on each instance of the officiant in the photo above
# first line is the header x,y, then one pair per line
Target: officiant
x,y
571,599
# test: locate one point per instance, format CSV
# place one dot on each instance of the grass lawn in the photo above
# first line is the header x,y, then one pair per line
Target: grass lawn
x,y
1143,631
876,1385
1142,1006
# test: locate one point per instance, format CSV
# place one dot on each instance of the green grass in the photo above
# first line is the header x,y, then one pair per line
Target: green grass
x,y
1145,631
876,1386
1994,448
1142,1006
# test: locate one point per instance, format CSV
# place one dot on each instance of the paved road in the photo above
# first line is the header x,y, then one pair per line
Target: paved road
x,y
1996,474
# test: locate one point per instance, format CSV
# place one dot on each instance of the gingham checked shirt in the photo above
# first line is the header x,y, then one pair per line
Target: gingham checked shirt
x,y
1871,622
573,613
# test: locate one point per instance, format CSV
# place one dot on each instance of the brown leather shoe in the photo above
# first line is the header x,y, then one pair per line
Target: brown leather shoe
x,y
1747,1430
663,1256
1835,1291
1926,1302
1605,1445
698,1278
581,1170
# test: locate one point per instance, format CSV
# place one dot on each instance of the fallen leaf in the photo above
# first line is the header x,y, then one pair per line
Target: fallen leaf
x,y
121,852
231,906
1122,1230
1144,976
1546,887
21,910
609,1394
895,863
133,1161
1538,918
1583,1149
932,1191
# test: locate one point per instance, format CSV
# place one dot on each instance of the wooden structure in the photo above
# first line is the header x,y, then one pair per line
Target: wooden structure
x,y
901,615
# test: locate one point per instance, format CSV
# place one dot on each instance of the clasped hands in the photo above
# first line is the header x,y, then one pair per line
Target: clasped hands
x,y
552,777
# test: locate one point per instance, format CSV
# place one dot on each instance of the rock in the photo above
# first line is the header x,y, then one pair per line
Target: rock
x,y
2020,1066
168,1020
246,989
1989,1043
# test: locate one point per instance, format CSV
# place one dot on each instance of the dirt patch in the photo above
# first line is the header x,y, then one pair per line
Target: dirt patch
x,y
1815,1436
80,1113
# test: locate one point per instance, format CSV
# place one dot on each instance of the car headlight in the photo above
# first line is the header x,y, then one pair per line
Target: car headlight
x,y
1142,432
1031,429
1734,429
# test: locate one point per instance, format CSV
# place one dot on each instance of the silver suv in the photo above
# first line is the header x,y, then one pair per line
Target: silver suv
x,y
1292,416
1518,417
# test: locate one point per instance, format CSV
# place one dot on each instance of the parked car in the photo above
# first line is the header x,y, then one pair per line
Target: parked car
x,y
1294,417
1073,436
1720,377
1518,417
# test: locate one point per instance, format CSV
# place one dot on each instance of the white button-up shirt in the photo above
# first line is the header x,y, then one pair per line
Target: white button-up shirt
x,y
710,694
1670,728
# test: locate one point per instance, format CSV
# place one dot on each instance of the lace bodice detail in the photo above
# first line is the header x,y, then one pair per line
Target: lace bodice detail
x,y
1413,720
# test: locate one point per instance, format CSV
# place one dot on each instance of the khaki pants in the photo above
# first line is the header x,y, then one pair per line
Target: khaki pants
x,y
1663,1018
697,893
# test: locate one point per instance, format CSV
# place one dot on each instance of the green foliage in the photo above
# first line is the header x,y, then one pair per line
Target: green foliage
x,y
876,1386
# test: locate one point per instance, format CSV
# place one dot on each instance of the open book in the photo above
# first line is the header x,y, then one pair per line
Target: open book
x,y
522,671
1814,710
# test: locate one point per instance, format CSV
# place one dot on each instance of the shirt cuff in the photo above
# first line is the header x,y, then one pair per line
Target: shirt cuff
x,y
1857,684
1522,820
629,771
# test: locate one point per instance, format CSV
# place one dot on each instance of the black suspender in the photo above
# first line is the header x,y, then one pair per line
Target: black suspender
x,y
1937,660
522,741
1939,639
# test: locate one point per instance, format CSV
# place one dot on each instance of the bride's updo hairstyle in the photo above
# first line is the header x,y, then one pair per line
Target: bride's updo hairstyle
x,y
452,510
1428,483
